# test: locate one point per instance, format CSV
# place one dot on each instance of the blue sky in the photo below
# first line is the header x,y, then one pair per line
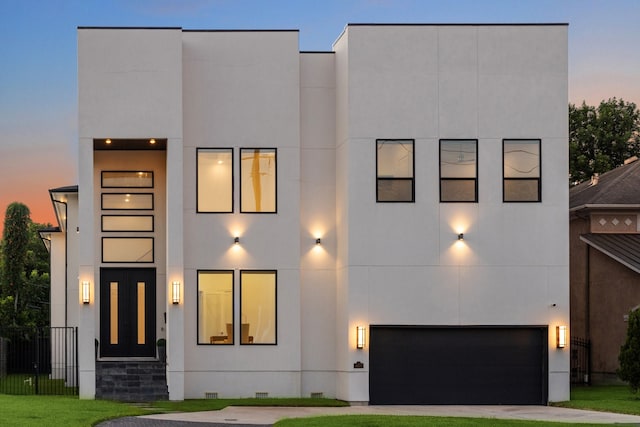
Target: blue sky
x,y
38,94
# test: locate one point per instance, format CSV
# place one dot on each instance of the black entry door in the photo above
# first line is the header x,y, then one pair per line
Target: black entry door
x,y
127,312
458,365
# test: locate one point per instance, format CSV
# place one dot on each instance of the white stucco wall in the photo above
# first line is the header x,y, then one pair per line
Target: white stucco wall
x,y
401,263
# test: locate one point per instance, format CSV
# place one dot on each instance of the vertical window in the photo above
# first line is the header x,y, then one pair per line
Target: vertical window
x,y
258,307
394,170
215,180
258,180
521,170
458,170
215,307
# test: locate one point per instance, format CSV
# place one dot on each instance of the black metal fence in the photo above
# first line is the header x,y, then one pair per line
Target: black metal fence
x,y
38,360
580,361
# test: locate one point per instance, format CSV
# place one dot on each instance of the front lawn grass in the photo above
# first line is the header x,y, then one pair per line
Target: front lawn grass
x,y
413,421
613,398
195,405
29,411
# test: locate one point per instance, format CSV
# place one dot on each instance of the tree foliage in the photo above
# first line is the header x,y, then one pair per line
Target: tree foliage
x,y
24,270
630,353
601,138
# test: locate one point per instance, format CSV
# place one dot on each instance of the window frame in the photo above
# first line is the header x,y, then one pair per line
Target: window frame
x,y
275,308
233,307
413,171
539,178
441,179
221,149
275,152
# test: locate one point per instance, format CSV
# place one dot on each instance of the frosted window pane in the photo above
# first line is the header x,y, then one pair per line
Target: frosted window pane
x,y
521,190
127,223
120,201
458,190
215,307
258,308
141,314
258,180
215,180
395,190
122,179
127,249
113,314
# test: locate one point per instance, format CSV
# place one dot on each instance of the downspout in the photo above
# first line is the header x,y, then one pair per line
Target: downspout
x,y
588,311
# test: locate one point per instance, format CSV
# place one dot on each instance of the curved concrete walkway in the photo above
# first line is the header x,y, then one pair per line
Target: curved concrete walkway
x,y
261,416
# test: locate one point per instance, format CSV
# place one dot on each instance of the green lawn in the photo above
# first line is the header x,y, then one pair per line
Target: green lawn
x,y
604,398
25,384
30,411
194,405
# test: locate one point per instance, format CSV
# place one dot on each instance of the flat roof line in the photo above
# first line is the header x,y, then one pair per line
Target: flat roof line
x,y
488,24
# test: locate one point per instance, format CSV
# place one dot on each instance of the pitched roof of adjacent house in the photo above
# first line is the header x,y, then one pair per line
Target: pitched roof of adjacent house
x,y
620,186
624,248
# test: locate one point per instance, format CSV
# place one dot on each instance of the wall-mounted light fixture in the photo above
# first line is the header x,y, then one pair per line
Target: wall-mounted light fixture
x,y
318,241
461,236
86,292
175,292
360,334
561,336
236,240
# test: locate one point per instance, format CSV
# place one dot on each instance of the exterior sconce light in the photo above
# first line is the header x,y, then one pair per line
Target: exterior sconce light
x,y
360,333
561,336
86,292
175,292
236,240
318,241
461,236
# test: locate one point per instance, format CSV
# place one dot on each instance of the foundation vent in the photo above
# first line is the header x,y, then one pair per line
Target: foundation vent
x,y
210,394
261,394
317,395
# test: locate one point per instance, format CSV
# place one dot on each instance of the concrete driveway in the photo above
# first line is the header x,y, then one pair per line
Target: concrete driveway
x,y
264,416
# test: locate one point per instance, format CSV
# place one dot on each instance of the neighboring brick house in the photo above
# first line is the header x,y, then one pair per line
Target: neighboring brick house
x,y
605,267
384,222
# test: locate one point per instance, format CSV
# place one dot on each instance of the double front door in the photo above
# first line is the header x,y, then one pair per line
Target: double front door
x,y
127,312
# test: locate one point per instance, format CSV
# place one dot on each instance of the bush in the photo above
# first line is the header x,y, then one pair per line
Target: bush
x,y
630,353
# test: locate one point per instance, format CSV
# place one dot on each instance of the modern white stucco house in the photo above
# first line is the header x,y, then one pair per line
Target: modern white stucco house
x,y
412,182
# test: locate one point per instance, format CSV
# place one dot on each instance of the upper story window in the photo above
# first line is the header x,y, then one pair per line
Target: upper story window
x,y
215,180
521,170
126,179
458,170
394,170
258,180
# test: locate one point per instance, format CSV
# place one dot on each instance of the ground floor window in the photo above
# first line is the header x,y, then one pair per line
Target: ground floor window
x,y
215,307
258,307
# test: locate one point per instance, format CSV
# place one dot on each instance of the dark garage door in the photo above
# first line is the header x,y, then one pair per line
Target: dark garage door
x,y
458,365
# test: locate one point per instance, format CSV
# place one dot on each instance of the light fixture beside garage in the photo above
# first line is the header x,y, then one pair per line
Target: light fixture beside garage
x,y
175,292
561,336
86,292
360,333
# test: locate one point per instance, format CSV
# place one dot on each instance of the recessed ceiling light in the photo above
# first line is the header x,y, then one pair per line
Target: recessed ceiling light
x,y
152,141
107,141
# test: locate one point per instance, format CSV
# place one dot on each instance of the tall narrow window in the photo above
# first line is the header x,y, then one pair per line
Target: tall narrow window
x,y
521,170
215,180
458,170
258,180
215,307
394,170
258,307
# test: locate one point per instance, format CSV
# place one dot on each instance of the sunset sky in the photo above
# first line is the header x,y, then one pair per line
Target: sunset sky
x,y
38,91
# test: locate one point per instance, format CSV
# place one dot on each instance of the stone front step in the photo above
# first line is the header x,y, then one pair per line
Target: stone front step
x,y
131,381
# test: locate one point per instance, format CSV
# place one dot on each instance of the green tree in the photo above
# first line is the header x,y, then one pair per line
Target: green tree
x,y
630,353
601,138
24,270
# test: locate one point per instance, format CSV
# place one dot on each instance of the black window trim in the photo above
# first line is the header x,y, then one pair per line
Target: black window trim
x,y
275,151
539,178
233,308
275,273
457,179
198,149
413,169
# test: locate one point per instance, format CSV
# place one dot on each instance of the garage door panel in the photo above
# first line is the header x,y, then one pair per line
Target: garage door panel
x,y
457,365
